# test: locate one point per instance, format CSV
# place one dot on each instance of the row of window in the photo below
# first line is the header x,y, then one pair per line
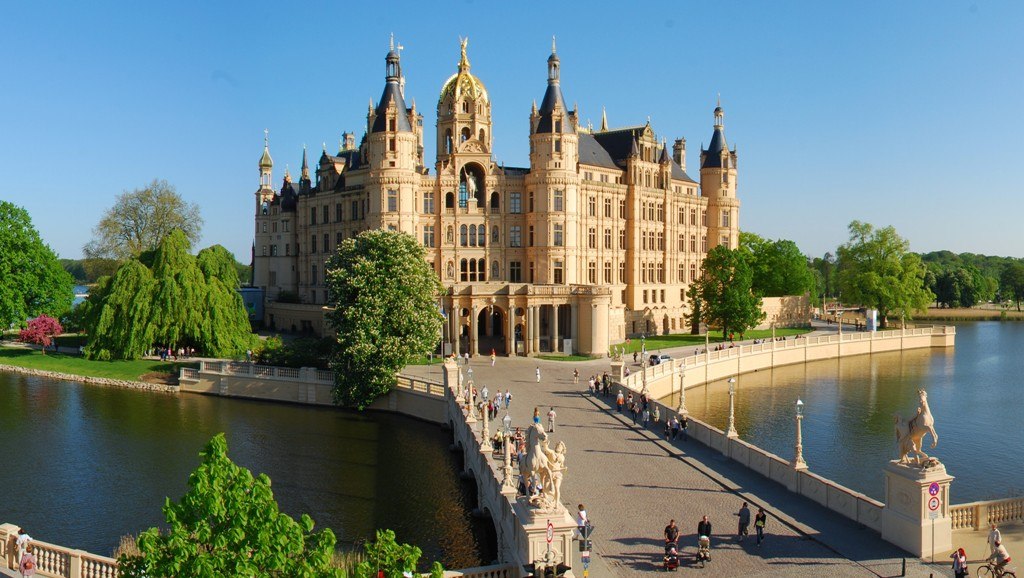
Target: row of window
x,y
357,211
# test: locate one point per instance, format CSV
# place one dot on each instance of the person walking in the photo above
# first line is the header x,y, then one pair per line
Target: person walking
x,y
959,563
467,358
645,417
551,420
27,562
759,522
508,398
581,520
494,357
591,385
994,537
22,543
536,415
704,527
619,400
575,376
656,415
744,516
1000,557
538,374
633,407
682,427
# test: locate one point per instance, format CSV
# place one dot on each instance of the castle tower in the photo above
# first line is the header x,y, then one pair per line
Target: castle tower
x,y
265,194
553,185
392,154
718,185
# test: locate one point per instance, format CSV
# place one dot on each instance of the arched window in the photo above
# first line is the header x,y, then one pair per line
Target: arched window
x,y
472,270
465,106
495,202
463,239
464,270
448,141
482,268
449,201
481,237
465,135
482,134
495,268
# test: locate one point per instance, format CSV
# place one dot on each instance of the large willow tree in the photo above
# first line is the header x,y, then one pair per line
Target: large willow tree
x,y
181,300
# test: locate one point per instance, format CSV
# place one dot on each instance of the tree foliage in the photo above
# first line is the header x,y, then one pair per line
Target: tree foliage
x,y
877,269
386,312
778,268
32,280
181,300
140,220
1011,283
726,294
386,555
228,524
41,331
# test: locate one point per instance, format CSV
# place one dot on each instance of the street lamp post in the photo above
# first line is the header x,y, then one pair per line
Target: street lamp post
x,y
798,459
731,430
470,418
485,433
507,422
681,410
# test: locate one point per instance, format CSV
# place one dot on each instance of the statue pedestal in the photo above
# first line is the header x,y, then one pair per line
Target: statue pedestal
x,y
908,521
531,539
618,371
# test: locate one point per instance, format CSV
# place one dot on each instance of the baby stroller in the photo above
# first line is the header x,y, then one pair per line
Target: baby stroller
x,y
703,550
671,555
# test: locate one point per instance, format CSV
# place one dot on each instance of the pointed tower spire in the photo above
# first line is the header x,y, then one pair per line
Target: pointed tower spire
x,y
634,150
664,153
604,119
305,166
266,163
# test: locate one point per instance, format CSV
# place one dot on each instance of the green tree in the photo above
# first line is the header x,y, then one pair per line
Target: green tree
x,y
228,524
117,314
32,280
386,312
696,308
141,219
877,269
778,267
726,294
386,555
76,269
180,300
1011,283
825,268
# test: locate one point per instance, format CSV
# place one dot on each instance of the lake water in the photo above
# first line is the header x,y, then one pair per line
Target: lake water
x,y
975,392
87,464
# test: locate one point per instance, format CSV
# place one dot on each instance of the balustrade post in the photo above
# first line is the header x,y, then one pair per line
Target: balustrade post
x,y
75,563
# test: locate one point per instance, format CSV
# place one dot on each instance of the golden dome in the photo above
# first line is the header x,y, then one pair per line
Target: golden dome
x,y
463,84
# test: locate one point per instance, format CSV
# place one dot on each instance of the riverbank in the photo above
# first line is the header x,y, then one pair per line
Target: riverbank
x,y
969,314
75,367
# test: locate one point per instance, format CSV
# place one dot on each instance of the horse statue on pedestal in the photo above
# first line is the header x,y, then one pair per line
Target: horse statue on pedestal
x,y
534,465
910,434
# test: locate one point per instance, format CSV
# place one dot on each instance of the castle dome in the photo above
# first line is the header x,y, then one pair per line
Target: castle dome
x,y
463,84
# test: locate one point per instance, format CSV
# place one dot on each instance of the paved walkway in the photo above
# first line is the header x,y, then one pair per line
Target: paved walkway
x,y
632,482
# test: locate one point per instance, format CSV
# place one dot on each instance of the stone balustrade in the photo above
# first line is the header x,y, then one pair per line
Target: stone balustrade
x,y
979,515
54,561
710,366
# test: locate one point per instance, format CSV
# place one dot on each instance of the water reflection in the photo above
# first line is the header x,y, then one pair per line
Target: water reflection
x,y
974,391
88,464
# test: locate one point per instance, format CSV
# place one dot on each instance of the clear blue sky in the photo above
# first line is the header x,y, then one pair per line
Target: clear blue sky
x,y
905,113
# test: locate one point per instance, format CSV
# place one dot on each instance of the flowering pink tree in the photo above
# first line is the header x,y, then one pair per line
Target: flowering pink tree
x,y
41,331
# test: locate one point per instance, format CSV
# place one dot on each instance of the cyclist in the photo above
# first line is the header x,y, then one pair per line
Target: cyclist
x,y
1001,558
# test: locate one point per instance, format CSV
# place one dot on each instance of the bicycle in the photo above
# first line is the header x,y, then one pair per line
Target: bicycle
x,y
989,571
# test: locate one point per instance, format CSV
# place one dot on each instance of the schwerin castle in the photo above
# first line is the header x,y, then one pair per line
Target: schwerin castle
x,y
596,240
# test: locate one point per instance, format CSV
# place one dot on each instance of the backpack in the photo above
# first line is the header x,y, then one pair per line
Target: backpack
x,y
29,564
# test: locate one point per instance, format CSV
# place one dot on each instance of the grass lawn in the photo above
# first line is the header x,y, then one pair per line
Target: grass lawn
x,y
566,357
656,342
127,370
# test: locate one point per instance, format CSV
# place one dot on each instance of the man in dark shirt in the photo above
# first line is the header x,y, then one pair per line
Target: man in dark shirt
x,y
671,531
704,527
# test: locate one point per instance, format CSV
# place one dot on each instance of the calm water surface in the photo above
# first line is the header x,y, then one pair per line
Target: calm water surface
x,y
975,391
87,464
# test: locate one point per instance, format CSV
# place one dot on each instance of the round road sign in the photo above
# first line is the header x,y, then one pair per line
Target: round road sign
x,y
933,503
551,531
934,489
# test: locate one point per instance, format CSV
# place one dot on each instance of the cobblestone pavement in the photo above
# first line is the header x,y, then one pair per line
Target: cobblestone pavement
x,y
632,482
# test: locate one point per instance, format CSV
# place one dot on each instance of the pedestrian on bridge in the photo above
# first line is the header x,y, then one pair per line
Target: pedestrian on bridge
x,y
508,398
744,516
759,522
994,538
619,400
575,376
551,420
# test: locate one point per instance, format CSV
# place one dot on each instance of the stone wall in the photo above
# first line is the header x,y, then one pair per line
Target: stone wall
x,y
787,311
90,380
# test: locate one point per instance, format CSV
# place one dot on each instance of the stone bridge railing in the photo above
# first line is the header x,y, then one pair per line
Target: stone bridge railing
x,y
979,515
54,561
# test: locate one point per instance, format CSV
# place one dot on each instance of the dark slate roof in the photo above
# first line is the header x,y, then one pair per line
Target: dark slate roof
x,y
353,160
592,153
713,156
663,159
618,143
289,197
679,174
516,170
392,93
553,101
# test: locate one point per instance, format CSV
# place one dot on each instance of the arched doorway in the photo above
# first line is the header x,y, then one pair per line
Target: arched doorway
x,y
490,330
472,185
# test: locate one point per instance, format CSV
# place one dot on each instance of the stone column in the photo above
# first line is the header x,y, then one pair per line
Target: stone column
x,y
456,328
472,331
574,327
535,334
510,330
554,329
528,330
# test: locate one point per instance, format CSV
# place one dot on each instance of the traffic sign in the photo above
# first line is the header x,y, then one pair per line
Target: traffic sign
x,y
551,532
933,503
933,516
934,489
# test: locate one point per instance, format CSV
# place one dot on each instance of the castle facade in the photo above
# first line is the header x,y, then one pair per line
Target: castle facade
x,y
598,239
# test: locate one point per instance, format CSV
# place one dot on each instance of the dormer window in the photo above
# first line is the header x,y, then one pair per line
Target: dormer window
x,y
558,126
